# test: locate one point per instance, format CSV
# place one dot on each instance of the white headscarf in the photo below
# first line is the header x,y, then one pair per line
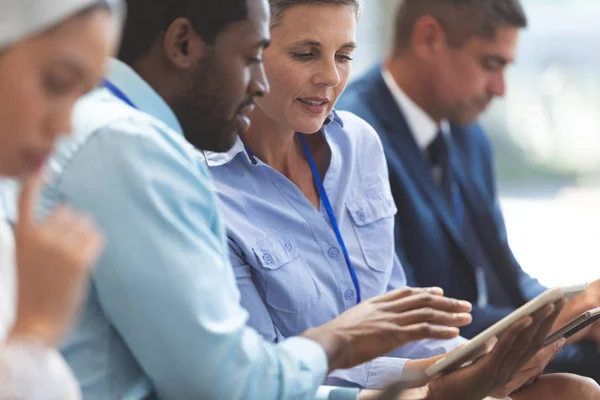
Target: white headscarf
x,y
20,19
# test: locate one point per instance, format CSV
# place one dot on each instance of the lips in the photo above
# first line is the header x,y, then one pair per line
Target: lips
x,y
315,105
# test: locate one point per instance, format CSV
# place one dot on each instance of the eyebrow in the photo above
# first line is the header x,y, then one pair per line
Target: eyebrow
x,y
73,66
78,69
309,42
499,59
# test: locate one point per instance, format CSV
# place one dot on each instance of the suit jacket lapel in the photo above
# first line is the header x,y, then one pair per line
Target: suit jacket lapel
x,y
485,225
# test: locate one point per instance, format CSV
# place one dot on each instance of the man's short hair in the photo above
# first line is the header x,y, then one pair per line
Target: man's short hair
x,y
460,19
146,19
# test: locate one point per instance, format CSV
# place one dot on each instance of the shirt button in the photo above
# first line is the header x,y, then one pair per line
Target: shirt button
x,y
361,215
288,246
267,258
333,252
349,294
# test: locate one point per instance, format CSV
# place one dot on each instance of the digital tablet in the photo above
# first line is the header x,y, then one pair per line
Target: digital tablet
x,y
476,347
572,327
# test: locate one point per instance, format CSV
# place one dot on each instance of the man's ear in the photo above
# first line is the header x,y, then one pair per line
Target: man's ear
x,y
181,44
428,37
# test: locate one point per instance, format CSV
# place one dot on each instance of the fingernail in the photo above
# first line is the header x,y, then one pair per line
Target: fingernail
x,y
465,303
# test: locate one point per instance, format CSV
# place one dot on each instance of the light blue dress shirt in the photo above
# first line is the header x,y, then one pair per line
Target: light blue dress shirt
x,y
288,263
163,309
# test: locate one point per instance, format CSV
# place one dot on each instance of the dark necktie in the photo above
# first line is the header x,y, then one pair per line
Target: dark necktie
x,y
439,159
441,168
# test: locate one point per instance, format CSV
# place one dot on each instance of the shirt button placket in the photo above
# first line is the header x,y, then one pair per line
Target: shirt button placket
x,y
349,295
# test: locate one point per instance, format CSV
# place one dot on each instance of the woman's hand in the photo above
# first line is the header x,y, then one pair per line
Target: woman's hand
x,y
380,325
53,260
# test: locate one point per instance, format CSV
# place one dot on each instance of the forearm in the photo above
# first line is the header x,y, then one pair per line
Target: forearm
x,y
399,392
335,345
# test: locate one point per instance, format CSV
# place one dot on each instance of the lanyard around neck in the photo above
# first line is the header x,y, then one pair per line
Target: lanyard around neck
x,y
117,92
325,199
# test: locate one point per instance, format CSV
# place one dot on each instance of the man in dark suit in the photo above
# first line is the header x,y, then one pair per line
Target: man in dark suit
x,y
447,64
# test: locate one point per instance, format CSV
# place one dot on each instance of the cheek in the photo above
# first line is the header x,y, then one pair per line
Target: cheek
x,y
285,85
344,73
21,124
23,104
285,80
236,84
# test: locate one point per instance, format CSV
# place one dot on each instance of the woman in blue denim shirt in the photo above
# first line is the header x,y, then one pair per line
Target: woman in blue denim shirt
x,y
306,196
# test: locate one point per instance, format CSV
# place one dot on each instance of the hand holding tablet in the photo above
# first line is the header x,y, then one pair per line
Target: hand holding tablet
x,y
479,345
501,371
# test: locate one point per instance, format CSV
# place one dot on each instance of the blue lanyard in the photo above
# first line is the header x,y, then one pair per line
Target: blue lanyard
x,y
323,195
117,92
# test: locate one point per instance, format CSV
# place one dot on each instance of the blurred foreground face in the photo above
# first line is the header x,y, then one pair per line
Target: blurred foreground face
x,y
41,78
308,64
466,79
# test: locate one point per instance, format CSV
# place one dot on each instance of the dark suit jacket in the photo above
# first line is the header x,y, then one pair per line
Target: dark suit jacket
x,y
428,240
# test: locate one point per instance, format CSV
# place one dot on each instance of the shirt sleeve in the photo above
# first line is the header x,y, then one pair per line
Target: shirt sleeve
x,y
375,374
164,280
29,370
336,393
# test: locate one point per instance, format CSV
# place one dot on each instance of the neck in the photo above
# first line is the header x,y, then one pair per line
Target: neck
x,y
154,71
273,143
413,80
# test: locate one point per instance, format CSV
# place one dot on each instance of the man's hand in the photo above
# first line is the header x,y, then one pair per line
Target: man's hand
x,y
380,325
595,333
579,304
532,370
514,350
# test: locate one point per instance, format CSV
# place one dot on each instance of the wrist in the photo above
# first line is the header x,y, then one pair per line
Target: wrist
x,y
334,345
367,394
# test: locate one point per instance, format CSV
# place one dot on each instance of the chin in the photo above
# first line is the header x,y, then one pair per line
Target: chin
x,y
465,119
223,145
309,128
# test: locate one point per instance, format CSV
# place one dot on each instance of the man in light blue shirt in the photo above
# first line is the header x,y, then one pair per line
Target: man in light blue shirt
x,y
163,311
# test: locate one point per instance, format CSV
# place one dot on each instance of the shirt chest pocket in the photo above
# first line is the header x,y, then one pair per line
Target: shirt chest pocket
x,y
372,212
287,282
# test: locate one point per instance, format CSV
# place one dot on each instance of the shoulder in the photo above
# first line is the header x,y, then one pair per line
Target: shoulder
x,y
105,129
365,147
473,140
116,151
362,135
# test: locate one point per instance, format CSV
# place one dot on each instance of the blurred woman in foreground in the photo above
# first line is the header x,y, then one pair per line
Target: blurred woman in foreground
x,y
51,53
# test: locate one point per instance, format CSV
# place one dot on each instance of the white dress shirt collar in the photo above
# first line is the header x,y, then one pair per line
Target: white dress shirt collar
x,y
422,126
